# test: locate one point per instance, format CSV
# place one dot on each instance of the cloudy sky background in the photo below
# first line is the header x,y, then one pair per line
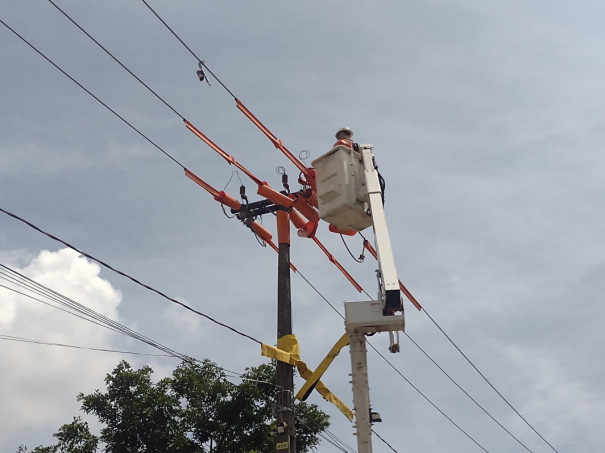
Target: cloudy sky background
x,y
487,123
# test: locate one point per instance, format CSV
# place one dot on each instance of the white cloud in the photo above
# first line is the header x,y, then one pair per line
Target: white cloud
x,y
8,311
40,383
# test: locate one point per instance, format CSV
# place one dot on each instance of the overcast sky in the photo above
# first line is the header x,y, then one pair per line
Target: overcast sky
x,y
487,123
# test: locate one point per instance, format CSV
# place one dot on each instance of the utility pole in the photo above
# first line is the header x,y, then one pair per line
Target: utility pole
x,y
286,440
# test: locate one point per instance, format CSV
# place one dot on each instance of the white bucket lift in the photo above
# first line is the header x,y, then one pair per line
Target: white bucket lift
x,y
350,197
341,189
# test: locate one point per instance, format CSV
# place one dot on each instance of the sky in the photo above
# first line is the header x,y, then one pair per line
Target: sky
x,y
487,123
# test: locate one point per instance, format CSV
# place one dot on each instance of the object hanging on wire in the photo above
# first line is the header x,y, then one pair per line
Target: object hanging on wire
x,y
200,73
242,194
284,178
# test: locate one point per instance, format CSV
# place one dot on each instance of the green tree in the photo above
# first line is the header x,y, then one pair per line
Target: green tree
x,y
195,410
74,437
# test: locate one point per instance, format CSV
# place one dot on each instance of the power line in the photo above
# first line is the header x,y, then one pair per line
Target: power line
x,y
319,293
122,329
460,387
51,236
54,306
488,382
115,59
408,381
466,393
79,310
384,441
48,343
93,95
199,60
108,323
399,372
329,437
484,378
71,307
428,400
136,130
123,274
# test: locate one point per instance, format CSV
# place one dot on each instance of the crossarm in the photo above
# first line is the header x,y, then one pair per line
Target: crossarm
x,y
228,200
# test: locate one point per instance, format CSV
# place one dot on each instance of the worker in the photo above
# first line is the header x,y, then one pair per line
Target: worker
x,y
344,136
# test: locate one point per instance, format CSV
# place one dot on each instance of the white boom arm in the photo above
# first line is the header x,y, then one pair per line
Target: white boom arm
x,y
389,292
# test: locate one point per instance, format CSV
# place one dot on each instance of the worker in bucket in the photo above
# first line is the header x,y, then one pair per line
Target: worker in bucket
x,y
344,135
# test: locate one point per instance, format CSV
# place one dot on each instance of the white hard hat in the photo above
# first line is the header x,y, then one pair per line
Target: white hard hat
x,y
346,130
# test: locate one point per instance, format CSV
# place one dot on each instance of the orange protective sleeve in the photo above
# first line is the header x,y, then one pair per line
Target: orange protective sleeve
x,y
297,220
200,182
265,190
228,200
261,231
306,209
345,231
222,153
276,142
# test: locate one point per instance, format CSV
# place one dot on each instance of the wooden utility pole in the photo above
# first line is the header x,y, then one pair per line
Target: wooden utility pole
x,y
286,440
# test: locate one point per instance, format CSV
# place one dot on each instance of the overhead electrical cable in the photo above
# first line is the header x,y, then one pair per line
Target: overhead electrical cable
x,y
383,441
89,314
326,435
114,325
51,236
330,438
55,306
91,94
489,383
430,358
146,138
399,372
484,378
111,324
276,141
466,393
68,306
48,343
200,61
229,158
116,60
428,399
96,98
124,274
257,229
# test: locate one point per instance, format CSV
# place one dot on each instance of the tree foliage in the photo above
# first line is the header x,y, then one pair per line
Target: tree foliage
x,y
195,410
